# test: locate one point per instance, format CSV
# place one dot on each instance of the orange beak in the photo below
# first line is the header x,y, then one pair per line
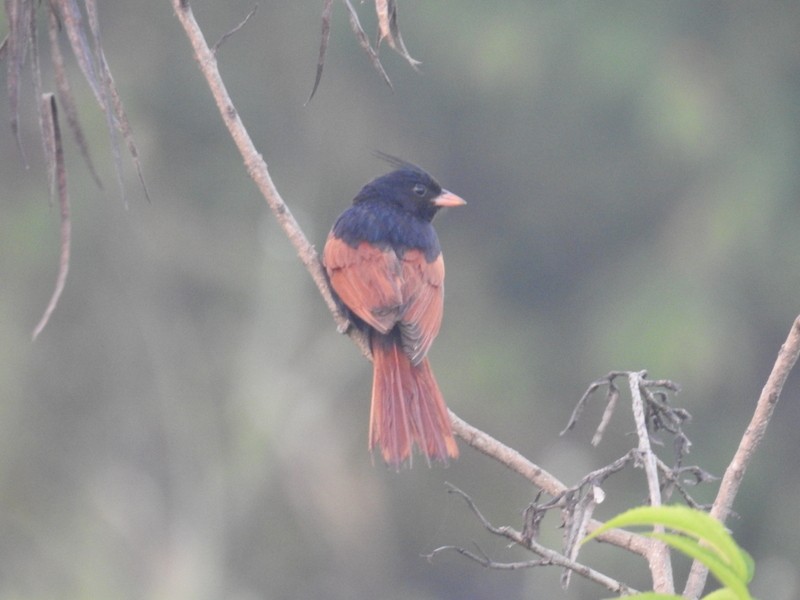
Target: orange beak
x,y
448,199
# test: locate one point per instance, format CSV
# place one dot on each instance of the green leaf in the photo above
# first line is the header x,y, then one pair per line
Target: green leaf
x,y
691,522
722,571
751,565
721,594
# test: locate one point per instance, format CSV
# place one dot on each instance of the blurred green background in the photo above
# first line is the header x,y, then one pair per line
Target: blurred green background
x,y
191,426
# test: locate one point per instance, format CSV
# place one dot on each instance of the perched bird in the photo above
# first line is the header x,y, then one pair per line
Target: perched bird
x,y
385,265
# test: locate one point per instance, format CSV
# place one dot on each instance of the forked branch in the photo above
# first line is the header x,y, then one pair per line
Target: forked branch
x,y
548,556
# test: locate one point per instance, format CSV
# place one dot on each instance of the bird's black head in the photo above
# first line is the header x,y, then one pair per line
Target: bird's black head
x,y
409,188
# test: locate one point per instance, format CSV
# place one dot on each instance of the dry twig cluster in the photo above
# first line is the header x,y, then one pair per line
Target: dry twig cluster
x,y
388,29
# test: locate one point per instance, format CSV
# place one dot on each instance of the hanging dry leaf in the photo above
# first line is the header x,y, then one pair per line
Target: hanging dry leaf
x,y
19,45
234,31
51,134
65,96
388,30
363,40
19,14
327,11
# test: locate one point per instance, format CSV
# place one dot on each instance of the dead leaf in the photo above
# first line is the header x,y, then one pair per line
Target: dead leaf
x,y
52,135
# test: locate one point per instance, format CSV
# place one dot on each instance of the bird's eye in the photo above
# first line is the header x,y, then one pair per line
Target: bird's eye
x,y
420,189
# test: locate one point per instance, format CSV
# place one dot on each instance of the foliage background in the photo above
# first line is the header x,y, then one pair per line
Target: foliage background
x,y
190,424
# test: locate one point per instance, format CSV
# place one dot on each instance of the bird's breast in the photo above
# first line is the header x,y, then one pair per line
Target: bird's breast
x,y
387,229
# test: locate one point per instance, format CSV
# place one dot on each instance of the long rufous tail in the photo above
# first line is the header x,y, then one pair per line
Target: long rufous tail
x,y
407,407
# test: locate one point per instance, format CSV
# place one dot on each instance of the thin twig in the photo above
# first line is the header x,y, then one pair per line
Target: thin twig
x,y
651,411
594,479
732,479
593,387
485,561
673,479
224,38
611,403
576,520
485,443
551,557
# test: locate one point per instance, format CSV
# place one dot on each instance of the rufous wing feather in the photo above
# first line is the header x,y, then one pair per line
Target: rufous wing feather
x,y
367,279
423,303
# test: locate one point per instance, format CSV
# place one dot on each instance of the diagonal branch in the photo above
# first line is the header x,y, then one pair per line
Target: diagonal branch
x,y
770,394
257,167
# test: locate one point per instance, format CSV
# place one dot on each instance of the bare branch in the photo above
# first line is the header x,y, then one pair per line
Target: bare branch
x,y
732,479
674,480
648,458
593,387
535,474
257,168
652,412
508,456
611,403
576,519
659,558
550,557
612,396
485,561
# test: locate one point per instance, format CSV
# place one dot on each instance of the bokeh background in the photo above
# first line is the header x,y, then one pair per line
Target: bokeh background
x,y
191,426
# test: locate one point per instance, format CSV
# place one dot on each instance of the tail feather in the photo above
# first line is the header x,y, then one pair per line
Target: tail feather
x,y
407,407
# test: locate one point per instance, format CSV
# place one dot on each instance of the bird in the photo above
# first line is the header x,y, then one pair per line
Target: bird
x,y
384,264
